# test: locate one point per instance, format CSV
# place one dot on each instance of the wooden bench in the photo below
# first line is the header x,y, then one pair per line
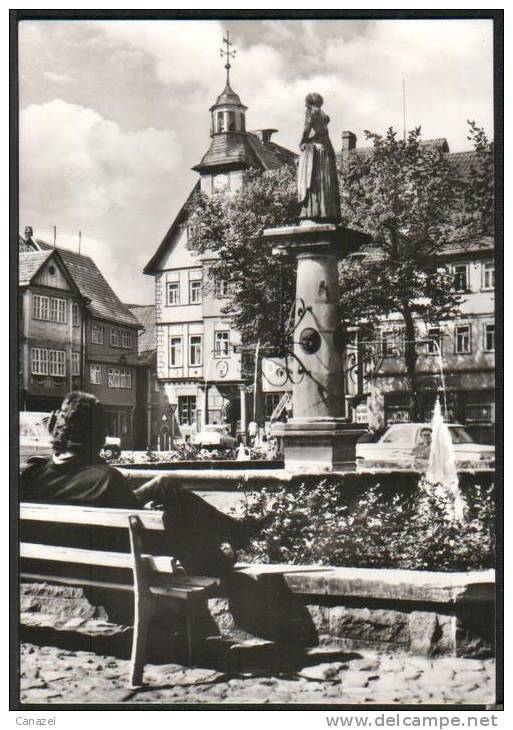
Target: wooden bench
x,y
154,577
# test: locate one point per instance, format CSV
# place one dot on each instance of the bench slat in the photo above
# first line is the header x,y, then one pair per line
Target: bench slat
x,y
104,517
74,581
156,563
174,590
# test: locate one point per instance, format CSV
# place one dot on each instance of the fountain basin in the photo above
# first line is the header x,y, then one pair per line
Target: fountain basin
x,y
236,478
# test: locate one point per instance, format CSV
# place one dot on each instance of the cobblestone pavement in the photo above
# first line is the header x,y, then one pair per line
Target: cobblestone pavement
x,y
54,675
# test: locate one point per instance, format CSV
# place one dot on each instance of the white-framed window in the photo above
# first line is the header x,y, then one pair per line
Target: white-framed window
x,y
95,374
58,310
397,414
40,307
221,288
175,352
115,337
125,378
127,339
489,337
97,333
39,361
195,350
186,409
488,275
479,413
192,231
195,291
75,314
75,363
271,401
463,339
434,344
222,344
460,272
391,341
57,363
173,293
119,377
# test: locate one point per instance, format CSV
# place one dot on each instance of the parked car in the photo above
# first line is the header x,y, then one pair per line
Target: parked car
x,y
34,435
214,436
112,448
35,438
404,444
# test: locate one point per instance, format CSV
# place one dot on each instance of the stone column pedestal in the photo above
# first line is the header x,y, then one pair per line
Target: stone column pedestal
x,y
318,437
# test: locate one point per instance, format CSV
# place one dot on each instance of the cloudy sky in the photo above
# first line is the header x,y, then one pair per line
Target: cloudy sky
x,y
114,114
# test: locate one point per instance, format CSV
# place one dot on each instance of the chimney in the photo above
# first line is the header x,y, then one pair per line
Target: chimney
x,y
348,141
264,135
29,232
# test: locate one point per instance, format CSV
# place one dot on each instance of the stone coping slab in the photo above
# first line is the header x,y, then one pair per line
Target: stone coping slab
x,y
377,583
271,475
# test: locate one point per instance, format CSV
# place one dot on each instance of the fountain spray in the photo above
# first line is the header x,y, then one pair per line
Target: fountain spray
x,y
442,463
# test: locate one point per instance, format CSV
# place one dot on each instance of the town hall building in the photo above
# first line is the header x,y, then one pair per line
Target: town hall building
x,y
198,362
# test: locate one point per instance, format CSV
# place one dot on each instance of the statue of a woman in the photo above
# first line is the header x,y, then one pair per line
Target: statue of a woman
x,y
317,178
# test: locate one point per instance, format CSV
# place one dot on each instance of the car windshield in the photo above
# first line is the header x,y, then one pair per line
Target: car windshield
x,y
398,436
34,430
460,436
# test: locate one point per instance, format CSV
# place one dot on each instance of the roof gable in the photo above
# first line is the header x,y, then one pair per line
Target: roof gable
x,y
104,302
34,266
171,237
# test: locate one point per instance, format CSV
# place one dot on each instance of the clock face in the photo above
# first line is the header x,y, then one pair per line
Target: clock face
x,y
221,182
222,368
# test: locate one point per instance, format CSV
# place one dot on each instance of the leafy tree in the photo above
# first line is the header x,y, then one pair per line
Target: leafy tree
x,y
405,195
261,288
479,192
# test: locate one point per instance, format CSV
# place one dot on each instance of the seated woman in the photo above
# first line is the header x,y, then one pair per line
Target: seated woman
x,y
200,536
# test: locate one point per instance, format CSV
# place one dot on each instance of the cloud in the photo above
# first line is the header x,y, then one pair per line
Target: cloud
x,y
58,78
112,155
81,171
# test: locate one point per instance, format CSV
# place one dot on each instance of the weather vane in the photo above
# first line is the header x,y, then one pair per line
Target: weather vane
x,y
228,53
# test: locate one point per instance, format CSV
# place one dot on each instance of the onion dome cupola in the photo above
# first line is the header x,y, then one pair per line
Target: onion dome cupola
x,y
228,113
229,147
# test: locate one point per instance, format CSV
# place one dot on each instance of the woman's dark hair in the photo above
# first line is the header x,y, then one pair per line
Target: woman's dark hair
x,y
314,99
79,425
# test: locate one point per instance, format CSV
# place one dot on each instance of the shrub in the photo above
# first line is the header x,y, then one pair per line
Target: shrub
x,y
321,525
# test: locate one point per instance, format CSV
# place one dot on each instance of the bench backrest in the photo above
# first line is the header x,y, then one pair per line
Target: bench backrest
x,y
92,516
98,516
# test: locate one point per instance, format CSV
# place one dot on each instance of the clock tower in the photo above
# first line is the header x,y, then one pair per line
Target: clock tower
x,y
198,364
230,150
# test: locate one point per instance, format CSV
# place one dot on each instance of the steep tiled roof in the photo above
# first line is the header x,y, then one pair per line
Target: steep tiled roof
x,y
91,283
270,154
29,264
451,249
227,149
25,245
244,148
461,161
145,314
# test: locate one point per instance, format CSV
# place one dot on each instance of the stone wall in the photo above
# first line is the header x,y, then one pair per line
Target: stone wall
x,y
391,610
